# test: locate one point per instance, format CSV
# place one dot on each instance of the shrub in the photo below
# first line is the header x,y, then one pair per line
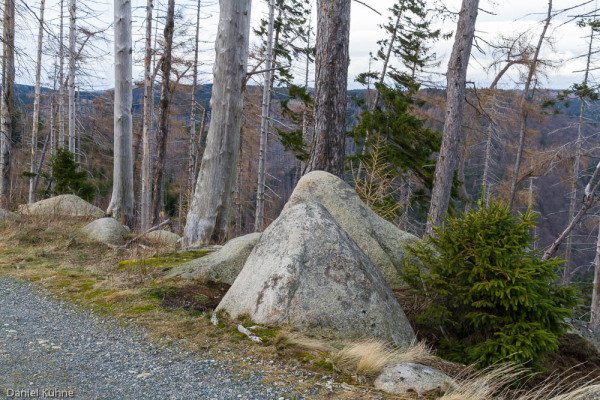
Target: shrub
x,y
68,180
492,296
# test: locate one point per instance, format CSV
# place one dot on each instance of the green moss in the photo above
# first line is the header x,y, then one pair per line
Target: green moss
x,y
142,309
159,293
201,299
165,260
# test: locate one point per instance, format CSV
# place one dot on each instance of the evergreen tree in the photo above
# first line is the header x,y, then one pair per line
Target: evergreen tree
x,y
67,178
495,298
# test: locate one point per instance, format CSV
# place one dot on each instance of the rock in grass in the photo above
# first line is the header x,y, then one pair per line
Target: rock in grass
x,y
409,378
106,230
379,239
306,272
63,205
587,393
223,265
163,237
6,215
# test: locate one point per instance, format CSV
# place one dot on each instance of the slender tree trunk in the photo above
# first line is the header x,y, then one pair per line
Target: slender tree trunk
x,y
163,117
264,124
488,154
523,105
595,309
305,135
36,106
331,84
192,151
576,164
8,81
447,161
122,202
72,42
210,212
199,149
39,167
61,79
146,188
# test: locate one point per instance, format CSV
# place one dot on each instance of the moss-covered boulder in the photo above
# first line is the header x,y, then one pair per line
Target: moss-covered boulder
x,y
223,265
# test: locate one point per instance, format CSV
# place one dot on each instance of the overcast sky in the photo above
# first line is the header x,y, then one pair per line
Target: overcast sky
x,y
500,17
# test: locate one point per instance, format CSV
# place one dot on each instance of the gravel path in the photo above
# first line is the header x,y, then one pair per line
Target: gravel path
x,y
48,344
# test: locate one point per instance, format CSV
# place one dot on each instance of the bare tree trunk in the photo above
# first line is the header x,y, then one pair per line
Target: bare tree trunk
x,y
122,202
192,152
61,80
163,117
305,136
576,163
523,106
72,42
8,81
447,161
199,150
331,84
38,170
36,106
146,188
209,215
488,155
595,309
264,124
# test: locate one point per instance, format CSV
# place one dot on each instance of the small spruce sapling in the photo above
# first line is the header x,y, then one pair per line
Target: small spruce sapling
x,y
496,299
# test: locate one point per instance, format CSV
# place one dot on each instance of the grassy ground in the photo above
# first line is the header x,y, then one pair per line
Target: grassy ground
x,y
128,284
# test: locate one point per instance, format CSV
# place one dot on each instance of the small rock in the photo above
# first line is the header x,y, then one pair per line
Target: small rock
x,y
404,378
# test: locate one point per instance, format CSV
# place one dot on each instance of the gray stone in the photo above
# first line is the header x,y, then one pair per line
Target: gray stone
x,y
163,237
306,272
587,393
106,230
63,205
6,215
223,265
407,378
380,240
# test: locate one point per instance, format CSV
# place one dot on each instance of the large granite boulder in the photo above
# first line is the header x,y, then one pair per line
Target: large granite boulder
x,y
63,205
223,265
162,237
306,272
409,378
106,230
6,215
379,239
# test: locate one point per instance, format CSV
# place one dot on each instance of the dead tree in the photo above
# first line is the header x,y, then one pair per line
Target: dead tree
x,y
448,158
210,211
122,202
145,187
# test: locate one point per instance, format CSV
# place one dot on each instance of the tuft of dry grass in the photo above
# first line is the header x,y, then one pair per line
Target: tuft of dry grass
x,y
366,359
295,343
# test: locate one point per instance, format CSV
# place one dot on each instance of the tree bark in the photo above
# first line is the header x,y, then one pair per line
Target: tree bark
x,y
8,81
61,79
72,42
163,116
264,124
523,106
36,107
210,211
595,308
145,187
192,150
331,84
122,202
456,76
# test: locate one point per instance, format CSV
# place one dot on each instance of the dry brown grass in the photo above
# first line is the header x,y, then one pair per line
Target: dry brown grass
x,y
365,359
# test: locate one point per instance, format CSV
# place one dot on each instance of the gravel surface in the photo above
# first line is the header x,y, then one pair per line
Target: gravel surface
x,y
48,344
